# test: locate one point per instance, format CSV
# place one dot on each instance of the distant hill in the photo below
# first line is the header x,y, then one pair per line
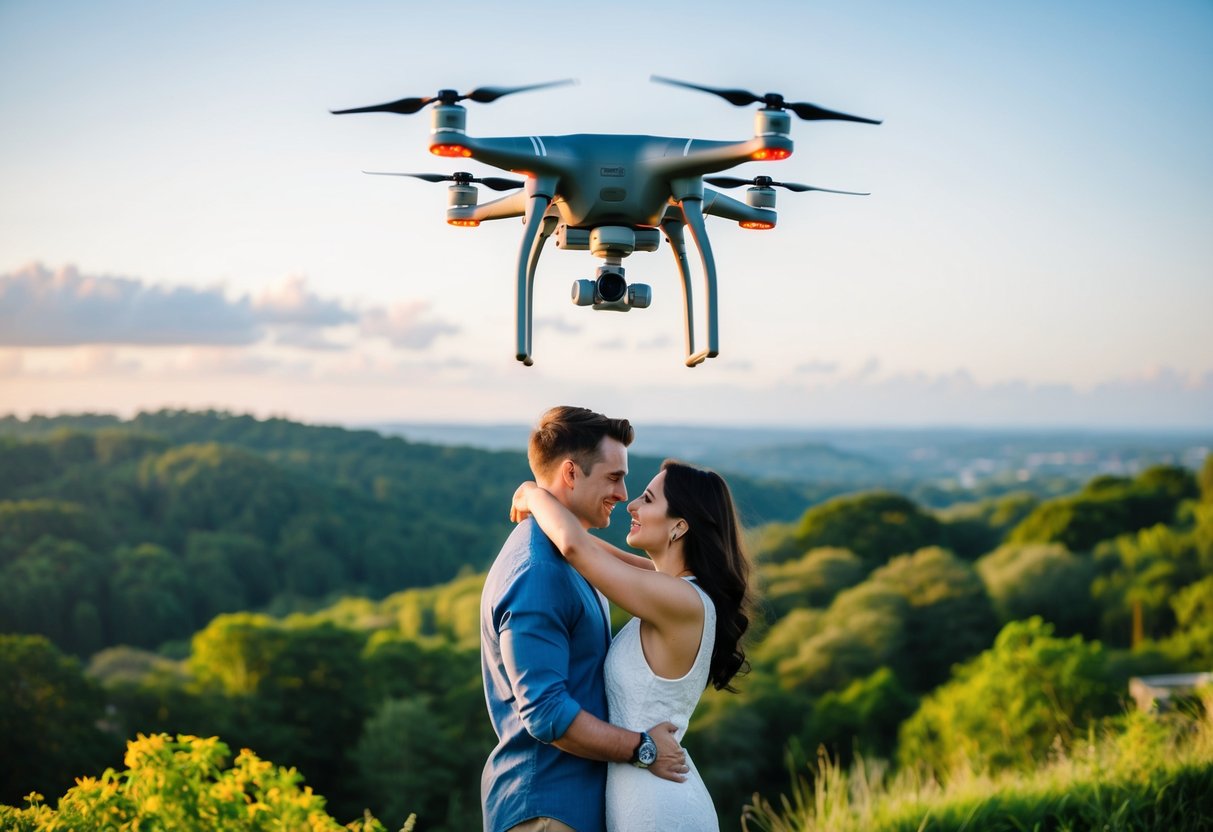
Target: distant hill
x,y
140,531
936,466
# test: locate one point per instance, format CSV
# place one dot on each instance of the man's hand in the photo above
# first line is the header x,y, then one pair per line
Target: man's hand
x,y
519,509
671,763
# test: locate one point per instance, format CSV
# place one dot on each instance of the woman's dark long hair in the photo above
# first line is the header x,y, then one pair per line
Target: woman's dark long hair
x,y
713,550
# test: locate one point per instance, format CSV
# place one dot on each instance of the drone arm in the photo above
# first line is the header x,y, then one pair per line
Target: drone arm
x,y
527,154
700,157
692,215
717,204
506,207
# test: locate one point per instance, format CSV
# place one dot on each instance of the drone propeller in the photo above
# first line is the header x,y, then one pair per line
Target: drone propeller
x,y
481,95
770,101
767,182
497,183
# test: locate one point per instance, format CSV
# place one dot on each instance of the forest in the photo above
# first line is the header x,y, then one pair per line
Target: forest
x,y
281,621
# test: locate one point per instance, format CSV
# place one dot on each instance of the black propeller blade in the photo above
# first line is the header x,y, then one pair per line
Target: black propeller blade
x,y
770,101
767,182
481,95
497,183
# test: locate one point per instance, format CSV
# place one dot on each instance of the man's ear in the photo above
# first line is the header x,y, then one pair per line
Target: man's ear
x,y
568,473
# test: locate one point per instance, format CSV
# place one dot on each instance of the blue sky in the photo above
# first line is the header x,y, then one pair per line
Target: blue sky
x,y
182,223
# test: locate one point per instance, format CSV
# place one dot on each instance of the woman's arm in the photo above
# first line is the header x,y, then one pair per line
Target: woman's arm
x,y
647,594
519,513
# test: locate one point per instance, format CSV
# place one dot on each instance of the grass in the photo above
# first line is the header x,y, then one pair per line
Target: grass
x,y
1140,772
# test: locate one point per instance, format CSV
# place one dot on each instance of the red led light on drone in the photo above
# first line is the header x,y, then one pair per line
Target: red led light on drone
x,y
770,154
464,223
757,225
456,150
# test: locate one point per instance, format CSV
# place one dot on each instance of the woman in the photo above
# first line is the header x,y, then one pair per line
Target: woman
x,y
689,600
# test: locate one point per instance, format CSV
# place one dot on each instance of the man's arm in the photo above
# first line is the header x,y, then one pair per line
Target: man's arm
x,y
534,640
594,739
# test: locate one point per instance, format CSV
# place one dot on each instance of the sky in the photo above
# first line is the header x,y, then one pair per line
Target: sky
x,y
184,224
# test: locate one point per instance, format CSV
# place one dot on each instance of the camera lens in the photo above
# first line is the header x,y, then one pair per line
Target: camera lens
x,y
611,286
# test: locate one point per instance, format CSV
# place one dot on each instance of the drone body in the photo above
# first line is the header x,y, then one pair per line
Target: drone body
x,y
613,195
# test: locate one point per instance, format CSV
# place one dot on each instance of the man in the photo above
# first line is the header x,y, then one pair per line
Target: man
x,y
544,633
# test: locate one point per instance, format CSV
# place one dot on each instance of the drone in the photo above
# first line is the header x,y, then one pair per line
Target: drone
x,y
612,195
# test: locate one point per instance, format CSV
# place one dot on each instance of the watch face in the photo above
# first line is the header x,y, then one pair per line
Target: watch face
x,y
648,753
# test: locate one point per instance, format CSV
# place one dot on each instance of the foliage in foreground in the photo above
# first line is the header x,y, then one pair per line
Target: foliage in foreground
x,y
182,784
1146,772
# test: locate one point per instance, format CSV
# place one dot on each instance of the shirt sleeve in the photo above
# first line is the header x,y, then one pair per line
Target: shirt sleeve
x,y
532,620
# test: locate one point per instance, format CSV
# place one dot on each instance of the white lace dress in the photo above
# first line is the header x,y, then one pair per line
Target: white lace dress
x,y
637,800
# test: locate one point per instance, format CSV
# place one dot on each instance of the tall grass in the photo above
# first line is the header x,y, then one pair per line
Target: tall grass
x,y
1140,772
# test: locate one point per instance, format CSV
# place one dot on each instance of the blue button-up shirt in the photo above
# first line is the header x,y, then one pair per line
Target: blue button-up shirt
x,y
544,634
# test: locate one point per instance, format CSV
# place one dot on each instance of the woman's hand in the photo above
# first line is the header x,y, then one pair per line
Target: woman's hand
x,y
520,508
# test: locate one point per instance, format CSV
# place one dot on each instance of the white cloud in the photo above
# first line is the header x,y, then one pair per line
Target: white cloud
x,y
44,308
306,338
41,308
656,342
100,360
817,367
11,363
404,325
228,362
556,325
869,369
292,303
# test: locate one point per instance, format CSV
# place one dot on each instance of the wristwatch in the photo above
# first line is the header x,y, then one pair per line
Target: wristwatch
x,y
646,752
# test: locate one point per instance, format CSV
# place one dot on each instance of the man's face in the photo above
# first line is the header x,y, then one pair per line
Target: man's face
x,y
596,493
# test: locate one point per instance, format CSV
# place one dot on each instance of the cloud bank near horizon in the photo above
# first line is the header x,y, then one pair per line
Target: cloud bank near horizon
x,y
71,341
40,308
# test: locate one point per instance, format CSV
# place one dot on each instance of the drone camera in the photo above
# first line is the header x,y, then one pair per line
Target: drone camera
x,y
611,287
640,296
610,291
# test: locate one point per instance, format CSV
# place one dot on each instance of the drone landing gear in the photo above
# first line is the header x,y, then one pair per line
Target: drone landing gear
x,y
691,211
539,226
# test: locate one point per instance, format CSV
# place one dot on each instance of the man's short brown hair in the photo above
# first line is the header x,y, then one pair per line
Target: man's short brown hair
x,y
575,433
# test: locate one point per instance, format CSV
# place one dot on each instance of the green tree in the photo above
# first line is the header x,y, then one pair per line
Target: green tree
x,y
298,690
1005,707
875,526
948,617
410,759
1142,572
866,713
185,783
23,522
150,596
1107,507
1042,579
56,588
864,629
973,529
810,581
49,711
1206,479
1192,641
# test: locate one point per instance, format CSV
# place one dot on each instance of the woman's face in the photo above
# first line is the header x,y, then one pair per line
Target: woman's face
x,y
651,525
